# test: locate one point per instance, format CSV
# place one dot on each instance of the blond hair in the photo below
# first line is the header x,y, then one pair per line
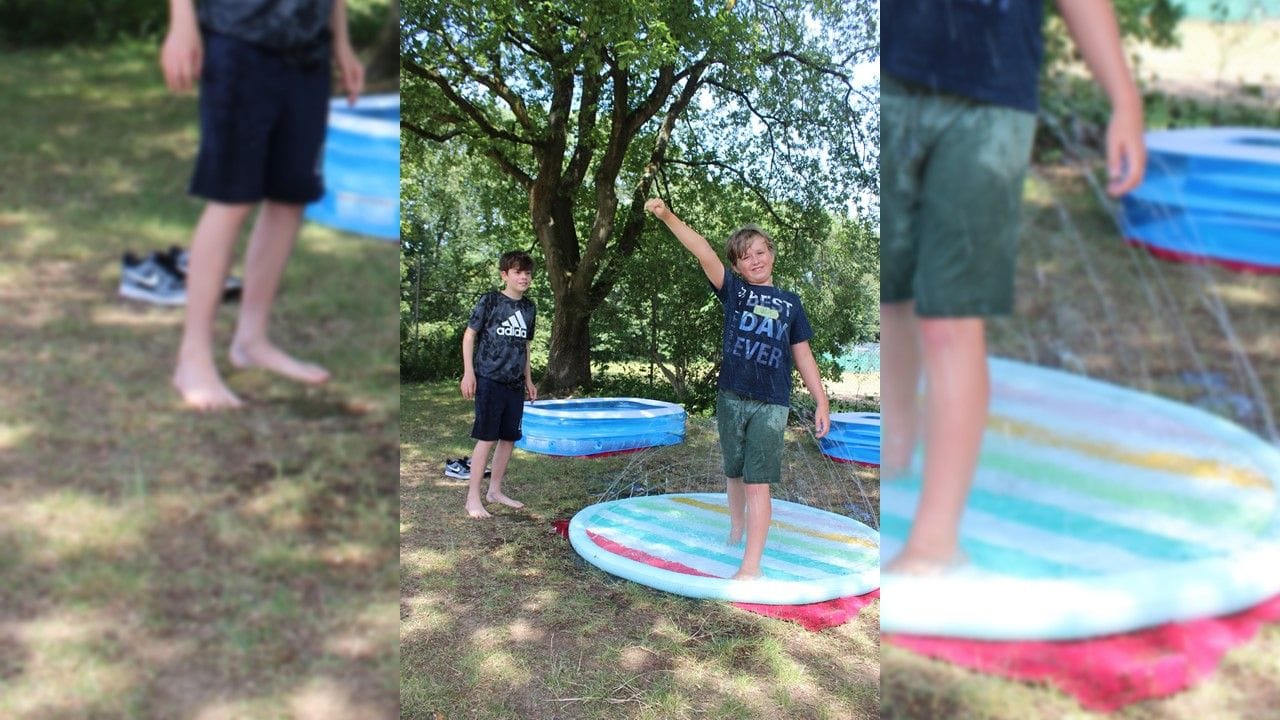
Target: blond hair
x,y
742,238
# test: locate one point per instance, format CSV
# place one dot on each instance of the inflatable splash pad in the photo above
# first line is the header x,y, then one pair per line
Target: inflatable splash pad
x,y
1210,195
599,426
677,543
854,437
1095,510
362,168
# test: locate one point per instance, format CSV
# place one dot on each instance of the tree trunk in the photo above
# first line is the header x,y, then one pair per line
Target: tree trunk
x,y
569,364
384,58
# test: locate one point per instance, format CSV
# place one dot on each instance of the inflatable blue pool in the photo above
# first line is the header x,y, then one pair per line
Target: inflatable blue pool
x,y
599,426
1210,195
362,168
854,437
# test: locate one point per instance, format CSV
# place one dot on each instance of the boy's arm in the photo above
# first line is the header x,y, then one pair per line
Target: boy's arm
x,y
1092,24
529,387
808,367
468,385
182,53
692,241
349,67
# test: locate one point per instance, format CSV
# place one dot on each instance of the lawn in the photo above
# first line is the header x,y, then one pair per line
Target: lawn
x,y
157,562
501,619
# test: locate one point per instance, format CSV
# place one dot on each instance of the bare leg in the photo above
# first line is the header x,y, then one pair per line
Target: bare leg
x,y
500,458
195,374
270,245
899,387
737,509
479,457
759,515
956,398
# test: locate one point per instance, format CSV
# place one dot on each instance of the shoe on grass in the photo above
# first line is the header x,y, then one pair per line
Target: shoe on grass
x,y
179,259
150,280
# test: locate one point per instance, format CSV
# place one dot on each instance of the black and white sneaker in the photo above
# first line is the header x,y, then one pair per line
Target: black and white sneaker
x,y
461,468
179,260
457,469
151,280
467,461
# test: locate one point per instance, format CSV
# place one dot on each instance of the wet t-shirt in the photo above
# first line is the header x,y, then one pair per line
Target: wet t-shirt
x,y
298,29
985,50
761,323
503,327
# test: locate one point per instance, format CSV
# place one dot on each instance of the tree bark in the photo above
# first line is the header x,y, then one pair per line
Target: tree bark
x,y
569,365
384,61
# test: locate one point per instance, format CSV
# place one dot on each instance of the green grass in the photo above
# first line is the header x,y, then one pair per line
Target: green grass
x,y
159,562
501,619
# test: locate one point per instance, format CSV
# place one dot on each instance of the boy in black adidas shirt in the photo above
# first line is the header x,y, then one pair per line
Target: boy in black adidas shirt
x,y
495,362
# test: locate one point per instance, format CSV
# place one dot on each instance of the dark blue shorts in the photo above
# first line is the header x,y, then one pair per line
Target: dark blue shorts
x,y
499,410
262,125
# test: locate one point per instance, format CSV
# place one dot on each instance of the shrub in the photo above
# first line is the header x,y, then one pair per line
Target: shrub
x,y
30,23
434,352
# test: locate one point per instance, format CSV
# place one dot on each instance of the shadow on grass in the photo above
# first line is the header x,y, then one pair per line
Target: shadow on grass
x,y
159,562
502,619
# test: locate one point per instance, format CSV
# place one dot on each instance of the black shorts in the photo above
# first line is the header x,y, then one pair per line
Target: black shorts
x,y
499,410
262,125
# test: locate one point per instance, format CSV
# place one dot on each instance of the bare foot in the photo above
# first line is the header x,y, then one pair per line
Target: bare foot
x,y
742,575
475,509
202,387
735,535
500,498
271,358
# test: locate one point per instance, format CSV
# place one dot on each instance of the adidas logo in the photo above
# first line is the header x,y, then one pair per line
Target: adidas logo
x,y
513,326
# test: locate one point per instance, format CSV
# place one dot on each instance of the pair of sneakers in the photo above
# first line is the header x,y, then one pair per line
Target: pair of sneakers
x,y
160,278
461,468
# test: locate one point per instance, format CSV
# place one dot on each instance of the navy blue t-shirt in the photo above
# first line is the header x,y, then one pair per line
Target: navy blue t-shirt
x,y
985,50
761,323
503,327
298,29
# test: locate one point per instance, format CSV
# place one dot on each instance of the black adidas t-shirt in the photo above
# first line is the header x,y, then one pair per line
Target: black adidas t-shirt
x,y
503,327
761,323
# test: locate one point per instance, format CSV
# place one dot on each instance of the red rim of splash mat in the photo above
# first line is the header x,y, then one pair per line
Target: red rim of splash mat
x,y
1110,672
1194,259
813,617
859,463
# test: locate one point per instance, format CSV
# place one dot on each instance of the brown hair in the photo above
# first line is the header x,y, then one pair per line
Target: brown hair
x,y
517,259
742,238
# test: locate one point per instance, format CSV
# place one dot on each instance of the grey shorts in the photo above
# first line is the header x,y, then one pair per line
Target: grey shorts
x,y
752,433
951,178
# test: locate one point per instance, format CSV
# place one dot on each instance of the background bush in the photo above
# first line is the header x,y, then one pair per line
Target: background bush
x,y
31,23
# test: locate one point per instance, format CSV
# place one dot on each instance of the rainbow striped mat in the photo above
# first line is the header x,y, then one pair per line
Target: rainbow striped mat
x,y
677,543
1095,509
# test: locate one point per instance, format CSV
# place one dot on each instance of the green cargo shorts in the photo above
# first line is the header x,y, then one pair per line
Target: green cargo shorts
x,y
751,437
951,178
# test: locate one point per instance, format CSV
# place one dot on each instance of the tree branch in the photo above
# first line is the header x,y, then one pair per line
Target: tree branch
x,y
510,168
476,115
746,182
585,143
427,134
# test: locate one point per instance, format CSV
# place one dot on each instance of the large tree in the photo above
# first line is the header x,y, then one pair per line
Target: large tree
x,y
582,103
